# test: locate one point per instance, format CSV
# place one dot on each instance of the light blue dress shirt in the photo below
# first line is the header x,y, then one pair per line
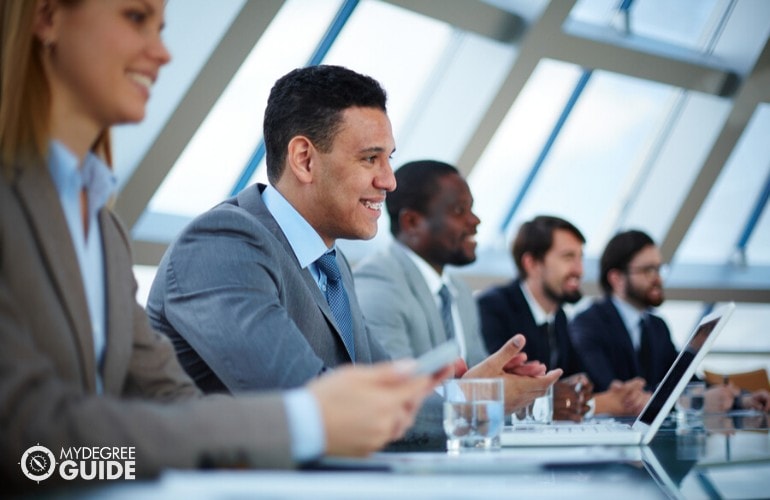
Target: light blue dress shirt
x,y
305,422
434,281
99,183
630,316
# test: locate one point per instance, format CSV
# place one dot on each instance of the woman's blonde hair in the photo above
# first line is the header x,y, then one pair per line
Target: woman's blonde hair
x,y
25,97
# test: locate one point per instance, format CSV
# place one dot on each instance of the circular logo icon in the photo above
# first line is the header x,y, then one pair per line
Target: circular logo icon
x,y
38,463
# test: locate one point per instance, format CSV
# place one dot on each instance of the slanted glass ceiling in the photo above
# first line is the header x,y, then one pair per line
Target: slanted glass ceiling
x,y
684,23
225,141
627,153
714,235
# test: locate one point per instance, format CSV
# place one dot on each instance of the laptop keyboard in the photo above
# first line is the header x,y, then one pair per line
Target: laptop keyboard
x,y
572,428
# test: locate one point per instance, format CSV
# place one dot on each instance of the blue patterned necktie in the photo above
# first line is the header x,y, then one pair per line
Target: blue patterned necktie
x,y
338,299
446,312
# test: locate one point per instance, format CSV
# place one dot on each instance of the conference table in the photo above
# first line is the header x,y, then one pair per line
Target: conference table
x,y
719,456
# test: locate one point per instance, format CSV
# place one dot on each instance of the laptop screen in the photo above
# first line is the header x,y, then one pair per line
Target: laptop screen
x,y
678,370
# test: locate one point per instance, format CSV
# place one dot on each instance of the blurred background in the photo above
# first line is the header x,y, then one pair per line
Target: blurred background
x,y
614,114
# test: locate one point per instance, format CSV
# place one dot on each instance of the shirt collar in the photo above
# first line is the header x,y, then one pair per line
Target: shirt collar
x,y
537,312
628,313
95,176
433,279
306,243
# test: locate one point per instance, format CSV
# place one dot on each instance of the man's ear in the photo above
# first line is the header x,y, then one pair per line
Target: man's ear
x,y
301,158
408,220
616,278
411,223
528,262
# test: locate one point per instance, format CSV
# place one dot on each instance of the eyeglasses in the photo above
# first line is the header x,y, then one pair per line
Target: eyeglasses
x,y
650,271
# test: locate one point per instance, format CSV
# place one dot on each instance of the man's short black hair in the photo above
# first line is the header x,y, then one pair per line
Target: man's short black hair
x,y
416,185
309,102
619,252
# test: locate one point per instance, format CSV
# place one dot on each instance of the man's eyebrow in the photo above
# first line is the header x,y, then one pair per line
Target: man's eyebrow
x,y
376,149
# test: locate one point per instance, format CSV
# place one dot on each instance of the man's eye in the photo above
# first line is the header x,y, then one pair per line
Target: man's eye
x,y
136,16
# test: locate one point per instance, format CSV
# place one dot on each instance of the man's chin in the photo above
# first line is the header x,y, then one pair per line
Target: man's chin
x,y
572,297
655,301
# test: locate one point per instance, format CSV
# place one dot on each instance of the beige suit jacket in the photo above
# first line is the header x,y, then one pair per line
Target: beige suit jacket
x,y
47,364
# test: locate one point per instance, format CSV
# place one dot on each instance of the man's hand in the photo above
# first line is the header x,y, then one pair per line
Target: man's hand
x,y
523,381
622,399
719,398
571,396
757,400
365,407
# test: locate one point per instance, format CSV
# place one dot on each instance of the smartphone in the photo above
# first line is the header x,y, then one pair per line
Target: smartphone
x,y
437,358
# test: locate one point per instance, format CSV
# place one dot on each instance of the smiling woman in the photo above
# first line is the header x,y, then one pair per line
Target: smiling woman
x,y
79,365
100,63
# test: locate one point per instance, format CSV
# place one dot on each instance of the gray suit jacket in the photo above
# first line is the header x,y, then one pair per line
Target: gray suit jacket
x,y
242,314
401,311
47,363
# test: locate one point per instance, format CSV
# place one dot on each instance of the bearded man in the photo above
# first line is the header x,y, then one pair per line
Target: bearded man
x,y
548,253
620,334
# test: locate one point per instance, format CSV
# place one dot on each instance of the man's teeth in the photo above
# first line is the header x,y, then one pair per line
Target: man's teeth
x,y
142,80
373,205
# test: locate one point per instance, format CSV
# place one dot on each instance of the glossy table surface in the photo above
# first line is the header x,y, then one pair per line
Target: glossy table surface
x,y
720,456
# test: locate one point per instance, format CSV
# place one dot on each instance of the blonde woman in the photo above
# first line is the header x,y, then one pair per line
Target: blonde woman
x,y
79,365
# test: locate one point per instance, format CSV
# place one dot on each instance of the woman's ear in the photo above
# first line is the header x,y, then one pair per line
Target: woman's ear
x,y
45,26
301,158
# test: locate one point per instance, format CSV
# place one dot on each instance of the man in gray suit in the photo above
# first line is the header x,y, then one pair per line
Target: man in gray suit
x,y
242,292
411,304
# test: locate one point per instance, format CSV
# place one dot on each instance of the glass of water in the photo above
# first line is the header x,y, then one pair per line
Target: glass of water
x,y
539,411
473,414
689,406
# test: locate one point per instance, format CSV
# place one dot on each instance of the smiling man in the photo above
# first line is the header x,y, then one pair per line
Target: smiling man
x,y
254,293
403,290
548,253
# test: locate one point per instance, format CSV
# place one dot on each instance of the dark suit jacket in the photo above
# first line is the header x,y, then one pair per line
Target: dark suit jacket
x,y
47,363
504,312
241,312
603,342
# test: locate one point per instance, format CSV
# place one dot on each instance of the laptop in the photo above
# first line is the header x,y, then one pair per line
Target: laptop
x,y
651,417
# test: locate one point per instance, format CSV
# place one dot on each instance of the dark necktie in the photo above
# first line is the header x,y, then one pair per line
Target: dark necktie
x,y
446,312
338,299
552,346
645,354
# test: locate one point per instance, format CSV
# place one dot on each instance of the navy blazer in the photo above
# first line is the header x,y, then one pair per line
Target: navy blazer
x,y
504,311
604,344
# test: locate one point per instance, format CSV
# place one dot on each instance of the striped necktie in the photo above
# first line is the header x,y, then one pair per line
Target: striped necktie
x,y
446,312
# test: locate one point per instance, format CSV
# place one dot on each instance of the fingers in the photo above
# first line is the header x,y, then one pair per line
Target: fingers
x,y
460,367
552,376
515,361
510,349
528,369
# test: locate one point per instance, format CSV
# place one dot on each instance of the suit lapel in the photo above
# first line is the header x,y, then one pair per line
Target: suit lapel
x,y
119,307
420,290
40,201
616,325
250,199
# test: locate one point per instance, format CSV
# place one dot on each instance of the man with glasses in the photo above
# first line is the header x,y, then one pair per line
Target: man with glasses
x,y
619,337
